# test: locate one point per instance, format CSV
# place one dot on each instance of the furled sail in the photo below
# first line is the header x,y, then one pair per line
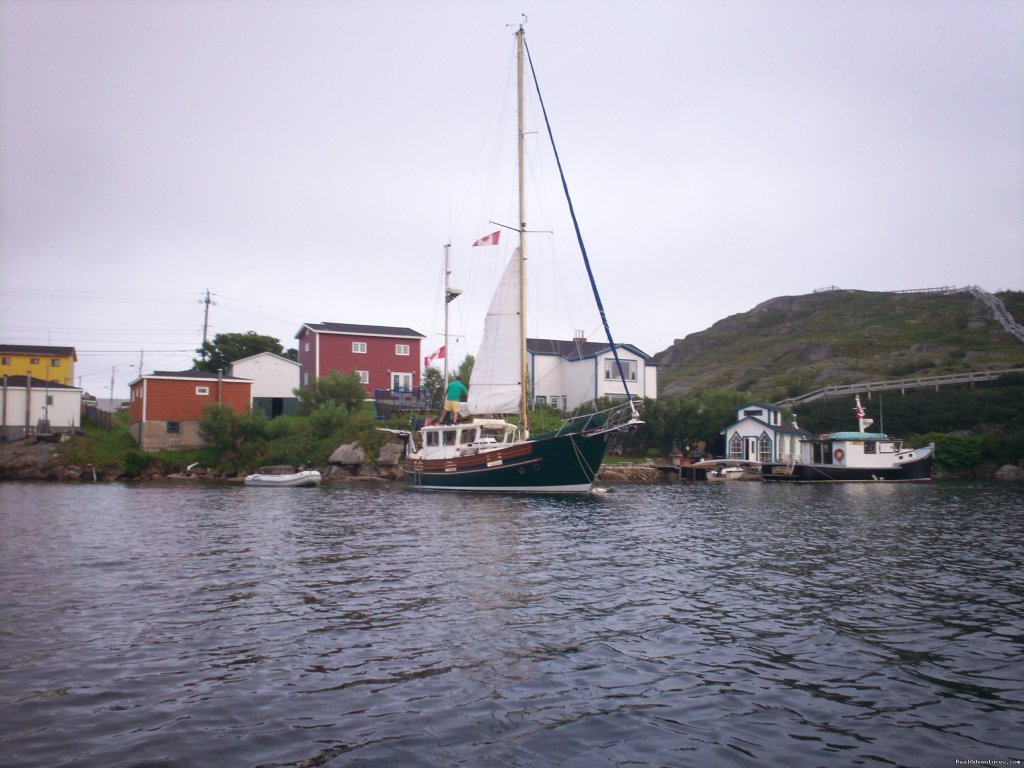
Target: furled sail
x,y
494,386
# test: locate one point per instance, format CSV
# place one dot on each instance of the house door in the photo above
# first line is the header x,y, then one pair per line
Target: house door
x,y
401,381
750,449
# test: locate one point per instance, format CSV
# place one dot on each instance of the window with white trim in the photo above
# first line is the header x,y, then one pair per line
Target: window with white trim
x,y
203,391
55,362
364,377
359,347
402,350
611,371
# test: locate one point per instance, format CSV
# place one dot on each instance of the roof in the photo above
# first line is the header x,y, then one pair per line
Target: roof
x,y
28,349
785,429
576,350
37,383
759,405
362,330
190,374
261,354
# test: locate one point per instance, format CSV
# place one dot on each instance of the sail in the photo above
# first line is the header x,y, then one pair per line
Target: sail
x,y
494,386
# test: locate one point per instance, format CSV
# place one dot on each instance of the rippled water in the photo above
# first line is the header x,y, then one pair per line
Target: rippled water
x,y
724,624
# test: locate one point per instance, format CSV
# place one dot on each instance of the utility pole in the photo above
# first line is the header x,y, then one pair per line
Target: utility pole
x,y
206,323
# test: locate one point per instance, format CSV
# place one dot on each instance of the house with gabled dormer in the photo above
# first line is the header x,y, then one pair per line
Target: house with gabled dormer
x,y
568,373
384,357
760,434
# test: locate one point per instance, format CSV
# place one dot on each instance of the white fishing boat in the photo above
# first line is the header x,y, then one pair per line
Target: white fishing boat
x,y
487,452
861,456
306,478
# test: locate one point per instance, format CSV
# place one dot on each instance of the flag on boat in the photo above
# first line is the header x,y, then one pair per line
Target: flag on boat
x,y
860,409
491,239
432,357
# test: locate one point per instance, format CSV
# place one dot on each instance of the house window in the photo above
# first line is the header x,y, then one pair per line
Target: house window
x,y
306,348
202,390
173,427
735,446
764,449
305,379
49,399
364,377
541,400
611,371
34,361
401,380
402,350
7,361
359,347
55,362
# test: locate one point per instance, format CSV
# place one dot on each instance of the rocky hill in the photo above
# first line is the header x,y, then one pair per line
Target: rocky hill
x,y
793,344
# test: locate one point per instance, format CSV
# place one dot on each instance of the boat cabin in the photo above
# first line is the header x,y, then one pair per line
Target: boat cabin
x,y
445,441
853,449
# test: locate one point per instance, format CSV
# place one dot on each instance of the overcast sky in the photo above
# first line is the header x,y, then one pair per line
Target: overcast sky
x,y
307,161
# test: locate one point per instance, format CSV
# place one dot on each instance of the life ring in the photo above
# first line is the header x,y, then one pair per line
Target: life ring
x,y
838,454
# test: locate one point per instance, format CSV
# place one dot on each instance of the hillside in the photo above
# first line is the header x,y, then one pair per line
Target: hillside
x,y
793,344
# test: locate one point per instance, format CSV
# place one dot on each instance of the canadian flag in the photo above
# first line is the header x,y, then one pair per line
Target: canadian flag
x,y
491,239
431,358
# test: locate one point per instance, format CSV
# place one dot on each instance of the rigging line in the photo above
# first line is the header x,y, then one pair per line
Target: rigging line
x,y
579,235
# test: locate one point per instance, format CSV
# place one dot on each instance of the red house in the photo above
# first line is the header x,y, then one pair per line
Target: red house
x,y
384,357
166,406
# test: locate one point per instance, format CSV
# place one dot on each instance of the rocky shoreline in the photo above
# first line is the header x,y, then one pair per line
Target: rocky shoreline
x,y
32,459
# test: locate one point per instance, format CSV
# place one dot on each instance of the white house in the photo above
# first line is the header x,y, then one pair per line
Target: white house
x,y
567,374
274,380
30,406
759,434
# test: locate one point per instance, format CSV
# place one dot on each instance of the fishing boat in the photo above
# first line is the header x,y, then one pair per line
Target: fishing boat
x,y
484,451
306,478
859,456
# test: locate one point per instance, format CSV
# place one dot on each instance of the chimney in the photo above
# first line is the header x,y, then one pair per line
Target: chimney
x,y
579,337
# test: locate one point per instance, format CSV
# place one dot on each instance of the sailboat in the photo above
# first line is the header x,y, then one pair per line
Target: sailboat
x,y
487,452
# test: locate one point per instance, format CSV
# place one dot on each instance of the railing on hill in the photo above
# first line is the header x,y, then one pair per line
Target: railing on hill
x,y
893,384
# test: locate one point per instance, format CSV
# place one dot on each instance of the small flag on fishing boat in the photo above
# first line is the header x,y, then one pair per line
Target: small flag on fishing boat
x,y
491,239
860,409
431,358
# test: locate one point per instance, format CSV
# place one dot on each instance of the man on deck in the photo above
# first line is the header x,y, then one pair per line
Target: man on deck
x,y
452,396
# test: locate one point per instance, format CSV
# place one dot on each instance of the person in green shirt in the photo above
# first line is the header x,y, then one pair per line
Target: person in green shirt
x,y
452,396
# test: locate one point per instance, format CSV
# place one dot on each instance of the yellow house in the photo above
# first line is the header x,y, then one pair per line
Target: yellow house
x,y
43,363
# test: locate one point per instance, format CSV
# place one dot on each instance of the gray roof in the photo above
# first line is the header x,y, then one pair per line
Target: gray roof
x,y
28,349
576,350
37,383
362,330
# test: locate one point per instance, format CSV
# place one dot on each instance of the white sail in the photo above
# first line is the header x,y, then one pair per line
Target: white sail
x,y
494,386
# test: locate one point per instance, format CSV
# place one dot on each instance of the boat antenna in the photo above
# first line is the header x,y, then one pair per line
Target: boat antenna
x,y
579,239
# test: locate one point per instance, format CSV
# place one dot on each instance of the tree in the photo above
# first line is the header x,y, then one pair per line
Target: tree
x,y
226,348
433,388
466,369
344,389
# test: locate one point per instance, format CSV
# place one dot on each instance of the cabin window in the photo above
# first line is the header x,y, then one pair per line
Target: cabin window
x,y
870,447
359,347
467,436
432,440
173,427
611,371
364,377
202,391
764,449
736,446
402,350
449,437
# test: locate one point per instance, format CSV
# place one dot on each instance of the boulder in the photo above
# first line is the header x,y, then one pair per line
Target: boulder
x,y
350,455
1009,472
390,454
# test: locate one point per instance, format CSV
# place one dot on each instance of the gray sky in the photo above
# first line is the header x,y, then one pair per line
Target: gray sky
x,y
307,161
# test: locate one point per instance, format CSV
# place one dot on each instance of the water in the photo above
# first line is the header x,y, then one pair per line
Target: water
x,y
732,624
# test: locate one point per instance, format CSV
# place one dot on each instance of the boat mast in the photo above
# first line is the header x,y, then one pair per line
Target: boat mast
x,y
450,294
524,425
